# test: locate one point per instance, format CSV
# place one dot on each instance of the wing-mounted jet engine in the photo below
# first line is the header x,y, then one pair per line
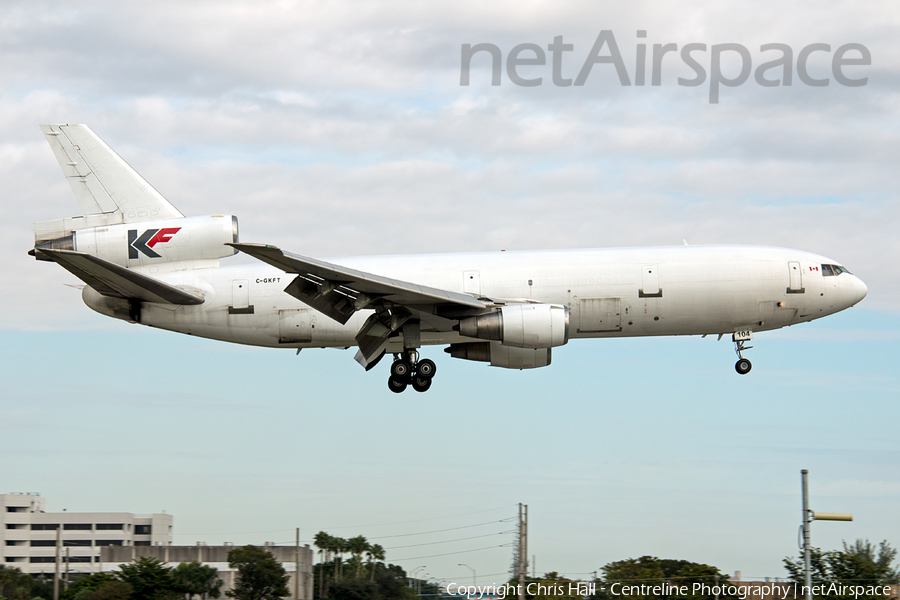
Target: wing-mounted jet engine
x,y
521,335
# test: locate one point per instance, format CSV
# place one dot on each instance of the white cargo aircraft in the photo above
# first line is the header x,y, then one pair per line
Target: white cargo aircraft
x,y
144,262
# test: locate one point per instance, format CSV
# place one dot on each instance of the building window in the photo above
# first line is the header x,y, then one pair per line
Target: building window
x,y
16,526
142,530
78,526
78,559
15,542
15,559
140,543
76,542
16,508
44,526
42,543
109,543
110,526
42,559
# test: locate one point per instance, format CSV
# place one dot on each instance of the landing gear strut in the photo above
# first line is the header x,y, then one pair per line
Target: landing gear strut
x,y
740,338
407,370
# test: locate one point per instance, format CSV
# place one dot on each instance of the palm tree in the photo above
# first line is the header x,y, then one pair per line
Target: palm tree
x,y
325,544
321,542
339,546
358,545
375,552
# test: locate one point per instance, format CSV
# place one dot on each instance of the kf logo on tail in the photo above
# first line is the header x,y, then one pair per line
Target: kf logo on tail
x,y
148,239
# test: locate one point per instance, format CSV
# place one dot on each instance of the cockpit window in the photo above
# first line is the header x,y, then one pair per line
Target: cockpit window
x,y
832,270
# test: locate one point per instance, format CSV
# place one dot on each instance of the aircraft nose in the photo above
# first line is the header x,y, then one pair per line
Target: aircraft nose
x,y
859,289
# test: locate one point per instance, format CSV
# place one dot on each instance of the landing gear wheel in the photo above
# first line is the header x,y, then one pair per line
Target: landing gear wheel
x,y
400,369
397,385
740,339
426,368
421,384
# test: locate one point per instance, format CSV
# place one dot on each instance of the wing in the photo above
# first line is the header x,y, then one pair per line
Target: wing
x,y
118,282
338,291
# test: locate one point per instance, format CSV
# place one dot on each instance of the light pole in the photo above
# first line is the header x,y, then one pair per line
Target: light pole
x,y
474,578
412,576
808,517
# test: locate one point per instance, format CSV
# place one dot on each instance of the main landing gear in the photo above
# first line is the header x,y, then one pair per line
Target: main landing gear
x,y
407,370
740,338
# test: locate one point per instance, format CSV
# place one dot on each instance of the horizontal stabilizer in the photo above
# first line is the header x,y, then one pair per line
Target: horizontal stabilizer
x,y
101,180
112,280
339,291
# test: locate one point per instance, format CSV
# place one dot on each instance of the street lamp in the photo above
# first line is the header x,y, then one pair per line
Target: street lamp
x,y
474,579
411,576
808,517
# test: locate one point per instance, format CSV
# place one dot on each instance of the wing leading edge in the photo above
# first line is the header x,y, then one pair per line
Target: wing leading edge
x,y
340,291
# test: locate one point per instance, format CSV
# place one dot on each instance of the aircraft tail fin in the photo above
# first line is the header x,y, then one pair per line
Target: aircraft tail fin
x,y
103,183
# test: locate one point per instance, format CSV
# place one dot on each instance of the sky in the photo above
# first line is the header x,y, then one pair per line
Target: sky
x,y
341,128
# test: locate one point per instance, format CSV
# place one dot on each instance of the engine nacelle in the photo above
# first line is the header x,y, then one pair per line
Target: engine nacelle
x,y
499,355
521,326
153,242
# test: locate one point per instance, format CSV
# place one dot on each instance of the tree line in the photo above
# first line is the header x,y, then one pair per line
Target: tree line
x,y
356,578
364,576
16,585
860,563
258,577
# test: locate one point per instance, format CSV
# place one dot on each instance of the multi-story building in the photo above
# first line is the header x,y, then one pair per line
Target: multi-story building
x,y
95,542
28,534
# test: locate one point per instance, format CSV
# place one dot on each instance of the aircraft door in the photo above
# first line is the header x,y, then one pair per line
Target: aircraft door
x,y
771,314
599,314
796,281
649,282
240,297
472,282
293,326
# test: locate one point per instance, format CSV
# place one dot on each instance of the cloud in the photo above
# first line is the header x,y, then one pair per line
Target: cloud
x,y
336,129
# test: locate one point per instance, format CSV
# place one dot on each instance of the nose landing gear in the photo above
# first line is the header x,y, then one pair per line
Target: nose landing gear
x,y
740,338
407,370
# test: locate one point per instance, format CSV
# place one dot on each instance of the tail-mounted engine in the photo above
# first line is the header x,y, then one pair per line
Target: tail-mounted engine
x,y
141,243
521,326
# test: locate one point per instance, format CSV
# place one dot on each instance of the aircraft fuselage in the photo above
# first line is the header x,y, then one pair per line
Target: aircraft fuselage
x,y
614,292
